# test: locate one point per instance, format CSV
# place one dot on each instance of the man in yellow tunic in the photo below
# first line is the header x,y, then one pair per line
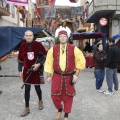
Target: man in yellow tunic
x,y
63,64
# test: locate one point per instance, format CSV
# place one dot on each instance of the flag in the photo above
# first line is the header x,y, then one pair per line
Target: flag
x,y
51,2
50,12
18,2
77,10
38,12
83,18
42,2
21,9
42,11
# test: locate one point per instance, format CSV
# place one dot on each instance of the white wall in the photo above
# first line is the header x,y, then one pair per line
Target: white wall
x,y
6,20
12,19
115,27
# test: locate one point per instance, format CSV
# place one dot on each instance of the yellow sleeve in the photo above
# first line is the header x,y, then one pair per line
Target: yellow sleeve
x,y
48,67
80,62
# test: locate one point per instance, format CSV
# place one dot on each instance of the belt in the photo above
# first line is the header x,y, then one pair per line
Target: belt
x,y
65,74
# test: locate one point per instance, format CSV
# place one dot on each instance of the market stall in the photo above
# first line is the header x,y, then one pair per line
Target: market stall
x,y
87,35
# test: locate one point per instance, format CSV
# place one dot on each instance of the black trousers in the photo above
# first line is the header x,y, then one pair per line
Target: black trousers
x,y
27,93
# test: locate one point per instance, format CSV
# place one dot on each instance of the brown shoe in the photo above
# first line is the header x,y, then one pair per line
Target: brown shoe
x,y
58,115
25,112
40,105
65,118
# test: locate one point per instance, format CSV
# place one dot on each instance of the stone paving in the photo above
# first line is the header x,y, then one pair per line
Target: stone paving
x,y
88,104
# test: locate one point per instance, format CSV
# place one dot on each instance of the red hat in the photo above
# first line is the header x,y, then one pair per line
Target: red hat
x,y
63,32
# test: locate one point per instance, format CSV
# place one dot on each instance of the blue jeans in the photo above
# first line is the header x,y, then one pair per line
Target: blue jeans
x,y
99,75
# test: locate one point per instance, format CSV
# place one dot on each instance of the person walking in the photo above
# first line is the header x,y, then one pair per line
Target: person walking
x,y
61,61
27,58
113,57
99,59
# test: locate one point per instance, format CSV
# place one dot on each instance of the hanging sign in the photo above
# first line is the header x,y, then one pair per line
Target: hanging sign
x,y
18,2
103,21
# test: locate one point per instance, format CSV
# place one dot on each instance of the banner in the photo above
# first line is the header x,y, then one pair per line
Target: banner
x,y
50,12
42,2
77,10
18,2
73,1
51,2
42,11
21,9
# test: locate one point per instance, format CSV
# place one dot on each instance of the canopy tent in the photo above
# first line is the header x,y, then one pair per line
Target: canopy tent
x,y
116,36
11,37
87,35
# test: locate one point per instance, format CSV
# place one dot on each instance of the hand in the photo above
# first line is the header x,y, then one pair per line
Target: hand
x,y
75,79
105,57
21,75
49,79
36,66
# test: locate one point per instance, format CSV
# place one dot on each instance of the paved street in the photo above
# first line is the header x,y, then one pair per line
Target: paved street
x,y
88,104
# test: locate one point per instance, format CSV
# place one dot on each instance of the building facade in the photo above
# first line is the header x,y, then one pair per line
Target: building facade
x,y
9,15
110,11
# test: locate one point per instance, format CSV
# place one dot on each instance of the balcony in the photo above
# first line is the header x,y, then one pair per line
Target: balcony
x,y
103,8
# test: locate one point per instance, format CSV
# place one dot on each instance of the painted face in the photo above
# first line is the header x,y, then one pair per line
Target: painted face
x,y
29,36
63,38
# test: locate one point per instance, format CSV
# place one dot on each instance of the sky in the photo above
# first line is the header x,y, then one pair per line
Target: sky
x,y
65,3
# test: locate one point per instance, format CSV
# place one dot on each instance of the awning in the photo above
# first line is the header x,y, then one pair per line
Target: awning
x,y
87,35
95,16
11,37
116,36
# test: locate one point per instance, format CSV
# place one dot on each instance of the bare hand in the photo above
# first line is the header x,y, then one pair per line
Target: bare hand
x,y
21,75
49,79
36,66
75,78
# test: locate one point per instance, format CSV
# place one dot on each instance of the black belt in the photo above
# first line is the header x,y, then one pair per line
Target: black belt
x,y
65,74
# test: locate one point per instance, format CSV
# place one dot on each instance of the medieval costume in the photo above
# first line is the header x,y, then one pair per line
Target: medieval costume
x,y
61,61
28,56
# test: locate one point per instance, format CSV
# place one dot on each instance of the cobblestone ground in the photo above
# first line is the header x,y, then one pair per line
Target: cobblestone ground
x,y
88,104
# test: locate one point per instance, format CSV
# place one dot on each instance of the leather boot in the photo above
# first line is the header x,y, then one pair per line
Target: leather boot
x,y
40,105
58,115
25,112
